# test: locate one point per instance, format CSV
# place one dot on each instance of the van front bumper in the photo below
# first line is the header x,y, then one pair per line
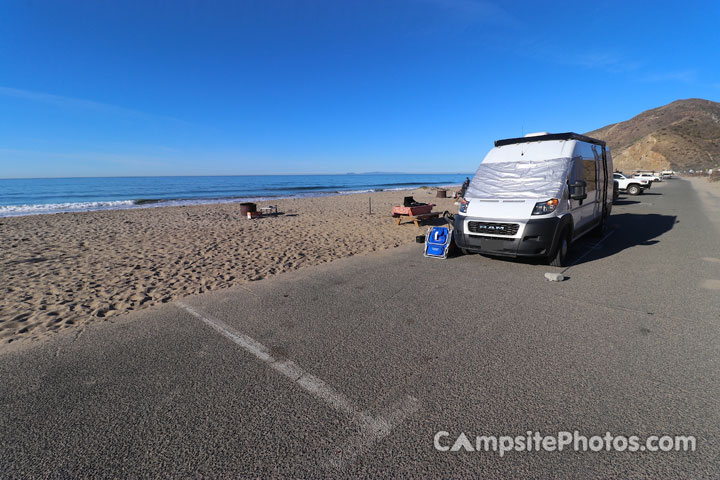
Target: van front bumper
x,y
537,239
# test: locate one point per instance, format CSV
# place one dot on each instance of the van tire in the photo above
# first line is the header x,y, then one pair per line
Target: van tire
x,y
634,189
559,256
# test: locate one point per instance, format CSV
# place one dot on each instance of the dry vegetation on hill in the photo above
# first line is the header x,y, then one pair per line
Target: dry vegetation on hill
x,y
684,134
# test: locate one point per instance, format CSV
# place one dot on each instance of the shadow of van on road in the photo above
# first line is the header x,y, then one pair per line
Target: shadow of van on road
x,y
628,230
625,201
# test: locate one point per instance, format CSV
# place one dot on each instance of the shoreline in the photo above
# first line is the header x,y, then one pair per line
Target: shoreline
x,y
65,270
19,197
10,211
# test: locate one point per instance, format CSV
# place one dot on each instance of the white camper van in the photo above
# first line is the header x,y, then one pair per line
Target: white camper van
x,y
533,196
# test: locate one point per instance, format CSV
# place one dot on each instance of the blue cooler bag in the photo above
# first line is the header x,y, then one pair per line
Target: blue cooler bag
x,y
437,242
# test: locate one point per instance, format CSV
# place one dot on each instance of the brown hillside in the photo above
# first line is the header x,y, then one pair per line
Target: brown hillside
x,y
684,134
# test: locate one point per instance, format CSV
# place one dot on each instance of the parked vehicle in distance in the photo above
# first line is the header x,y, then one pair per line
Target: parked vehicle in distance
x,y
631,185
667,174
650,177
534,196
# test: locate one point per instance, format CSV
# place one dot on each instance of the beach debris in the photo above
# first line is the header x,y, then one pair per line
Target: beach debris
x,y
554,277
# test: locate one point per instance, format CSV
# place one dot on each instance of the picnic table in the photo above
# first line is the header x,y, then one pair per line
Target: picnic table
x,y
417,219
413,211
269,210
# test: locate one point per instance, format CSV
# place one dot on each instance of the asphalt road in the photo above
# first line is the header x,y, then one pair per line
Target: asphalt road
x,y
351,368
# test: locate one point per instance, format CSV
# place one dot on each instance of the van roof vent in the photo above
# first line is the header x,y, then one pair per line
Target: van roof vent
x,y
537,134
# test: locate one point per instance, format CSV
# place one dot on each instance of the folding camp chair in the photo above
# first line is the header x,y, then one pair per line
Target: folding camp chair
x,y
437,242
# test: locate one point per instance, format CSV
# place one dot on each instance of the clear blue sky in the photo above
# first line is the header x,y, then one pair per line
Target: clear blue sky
x,y
279,86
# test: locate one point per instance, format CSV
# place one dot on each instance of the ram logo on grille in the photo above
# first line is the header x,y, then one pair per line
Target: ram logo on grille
x,y
493,228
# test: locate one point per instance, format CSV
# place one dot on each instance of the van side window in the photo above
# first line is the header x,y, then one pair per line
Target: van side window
x,y
590,174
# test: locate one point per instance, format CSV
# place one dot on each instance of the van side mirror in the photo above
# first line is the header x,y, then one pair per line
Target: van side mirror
x,y
578,190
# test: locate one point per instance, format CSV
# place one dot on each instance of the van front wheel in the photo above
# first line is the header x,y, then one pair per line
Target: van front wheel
x,y
559,257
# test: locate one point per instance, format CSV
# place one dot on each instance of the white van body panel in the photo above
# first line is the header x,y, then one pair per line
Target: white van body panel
x,y
518,209
531,151
490,206
501,209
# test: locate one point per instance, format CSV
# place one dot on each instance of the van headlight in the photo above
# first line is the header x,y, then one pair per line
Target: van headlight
x,y
543,208
463,205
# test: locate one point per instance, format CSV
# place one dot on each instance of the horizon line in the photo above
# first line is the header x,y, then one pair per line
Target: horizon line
x,y
238,175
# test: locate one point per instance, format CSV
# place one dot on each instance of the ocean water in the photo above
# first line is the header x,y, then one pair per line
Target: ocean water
x,y
54,195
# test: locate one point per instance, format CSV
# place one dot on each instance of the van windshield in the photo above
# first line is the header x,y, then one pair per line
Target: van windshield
x,y
528,179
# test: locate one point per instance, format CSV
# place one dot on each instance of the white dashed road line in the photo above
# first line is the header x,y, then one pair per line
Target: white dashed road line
x,y
372,428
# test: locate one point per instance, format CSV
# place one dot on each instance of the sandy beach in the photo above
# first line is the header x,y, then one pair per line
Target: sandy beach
x,y
68,270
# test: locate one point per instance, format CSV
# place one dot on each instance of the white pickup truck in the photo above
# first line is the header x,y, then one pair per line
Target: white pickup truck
x,y
631,185
650,177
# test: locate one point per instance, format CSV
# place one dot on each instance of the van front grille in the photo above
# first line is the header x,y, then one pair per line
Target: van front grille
x,y
493,228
